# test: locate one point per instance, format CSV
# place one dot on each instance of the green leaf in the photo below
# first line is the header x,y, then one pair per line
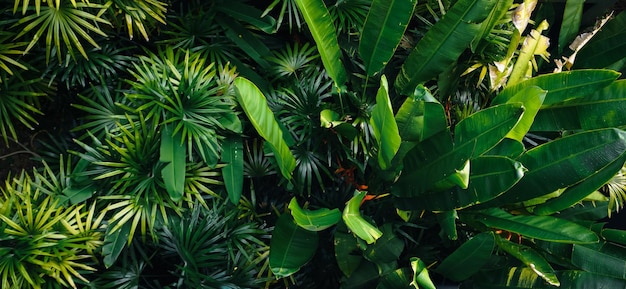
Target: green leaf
x,y
313,220
486,128
398,279
258,112
114,243
323,31
232,172
545,228
355,222
447,222
442,45
605,259
245,40
524,277
565,162
387,248
614,235
603,109
606,47
290,247
249,14
365,276
562,86
78,195
469,258
532,98
575,194
530,258
384,126
573,12
490,177
347,251
495,16
420,274
173,153
419,118
383,29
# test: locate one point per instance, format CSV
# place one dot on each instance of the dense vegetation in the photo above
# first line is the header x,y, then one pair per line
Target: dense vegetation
x,y
312,143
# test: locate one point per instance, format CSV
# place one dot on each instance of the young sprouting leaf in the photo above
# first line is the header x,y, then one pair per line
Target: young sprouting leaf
x,y
290,247
384,126
420,274
356,223
317,220
232,172
173,153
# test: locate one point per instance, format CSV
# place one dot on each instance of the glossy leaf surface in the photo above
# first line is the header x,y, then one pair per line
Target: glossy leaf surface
x,y
315,220
606,47
384,126
532,98
173,153
469,258
232,172
290,247
355,222
530,258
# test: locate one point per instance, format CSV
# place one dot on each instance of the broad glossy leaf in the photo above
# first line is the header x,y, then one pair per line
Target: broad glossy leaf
x,y
355,222
347,251
565,162
530,258
524,277
114,243
606,47
532,98
545,228
77,195
575,194
490,177
603,109
232,172
384,126
447,222
604,259
386,249
469,258
562,86
258,112
290,247
173,153
421,278
443,43
614,235
322,29
509,148
486,128
317,220
365,276
383,29
573,12
398,279
418,118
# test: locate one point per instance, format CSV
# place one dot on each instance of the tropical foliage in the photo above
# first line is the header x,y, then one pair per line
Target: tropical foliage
x,y
313,144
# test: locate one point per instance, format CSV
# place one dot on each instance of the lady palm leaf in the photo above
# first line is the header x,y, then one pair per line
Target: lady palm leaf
x,y
9,49
616,189
139,15
293,60
289,9
349,15
17,103
66,22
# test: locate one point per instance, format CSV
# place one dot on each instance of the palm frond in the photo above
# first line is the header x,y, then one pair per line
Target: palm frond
x,y
138,15
18,102
616,189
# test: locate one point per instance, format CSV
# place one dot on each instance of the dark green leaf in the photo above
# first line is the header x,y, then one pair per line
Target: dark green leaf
x,y
347,252
114,243
232,172
290,247
173,153
469,258
387,248
530,258
572,13
419,119
447,221
603,259
606,47
532,98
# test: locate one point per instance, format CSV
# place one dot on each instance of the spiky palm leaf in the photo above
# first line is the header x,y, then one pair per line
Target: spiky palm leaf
x,y
18,102
138,15
293,60
616,189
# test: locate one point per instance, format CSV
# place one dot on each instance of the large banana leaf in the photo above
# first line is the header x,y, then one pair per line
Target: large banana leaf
x,y
384,126
418,118
290,247
345,244
546,228
469,258
530,258
443,43
604,259
232,172
387,248
323,31
606,47
173,153
258,112
524,277
565,162
580,191
563,86
603,109
532,98
490,176
383,29
356,223
317,220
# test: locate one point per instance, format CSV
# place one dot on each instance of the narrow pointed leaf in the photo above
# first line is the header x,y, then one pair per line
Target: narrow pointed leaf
x,y
545,228
232,172
573,12
290,247
469,258
563,86
316,220
114,243
602,109
384,126
173,153
383,29
532,98
322,29
258,112
604,259
530,258
356,223
606,47
565,162
443,43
